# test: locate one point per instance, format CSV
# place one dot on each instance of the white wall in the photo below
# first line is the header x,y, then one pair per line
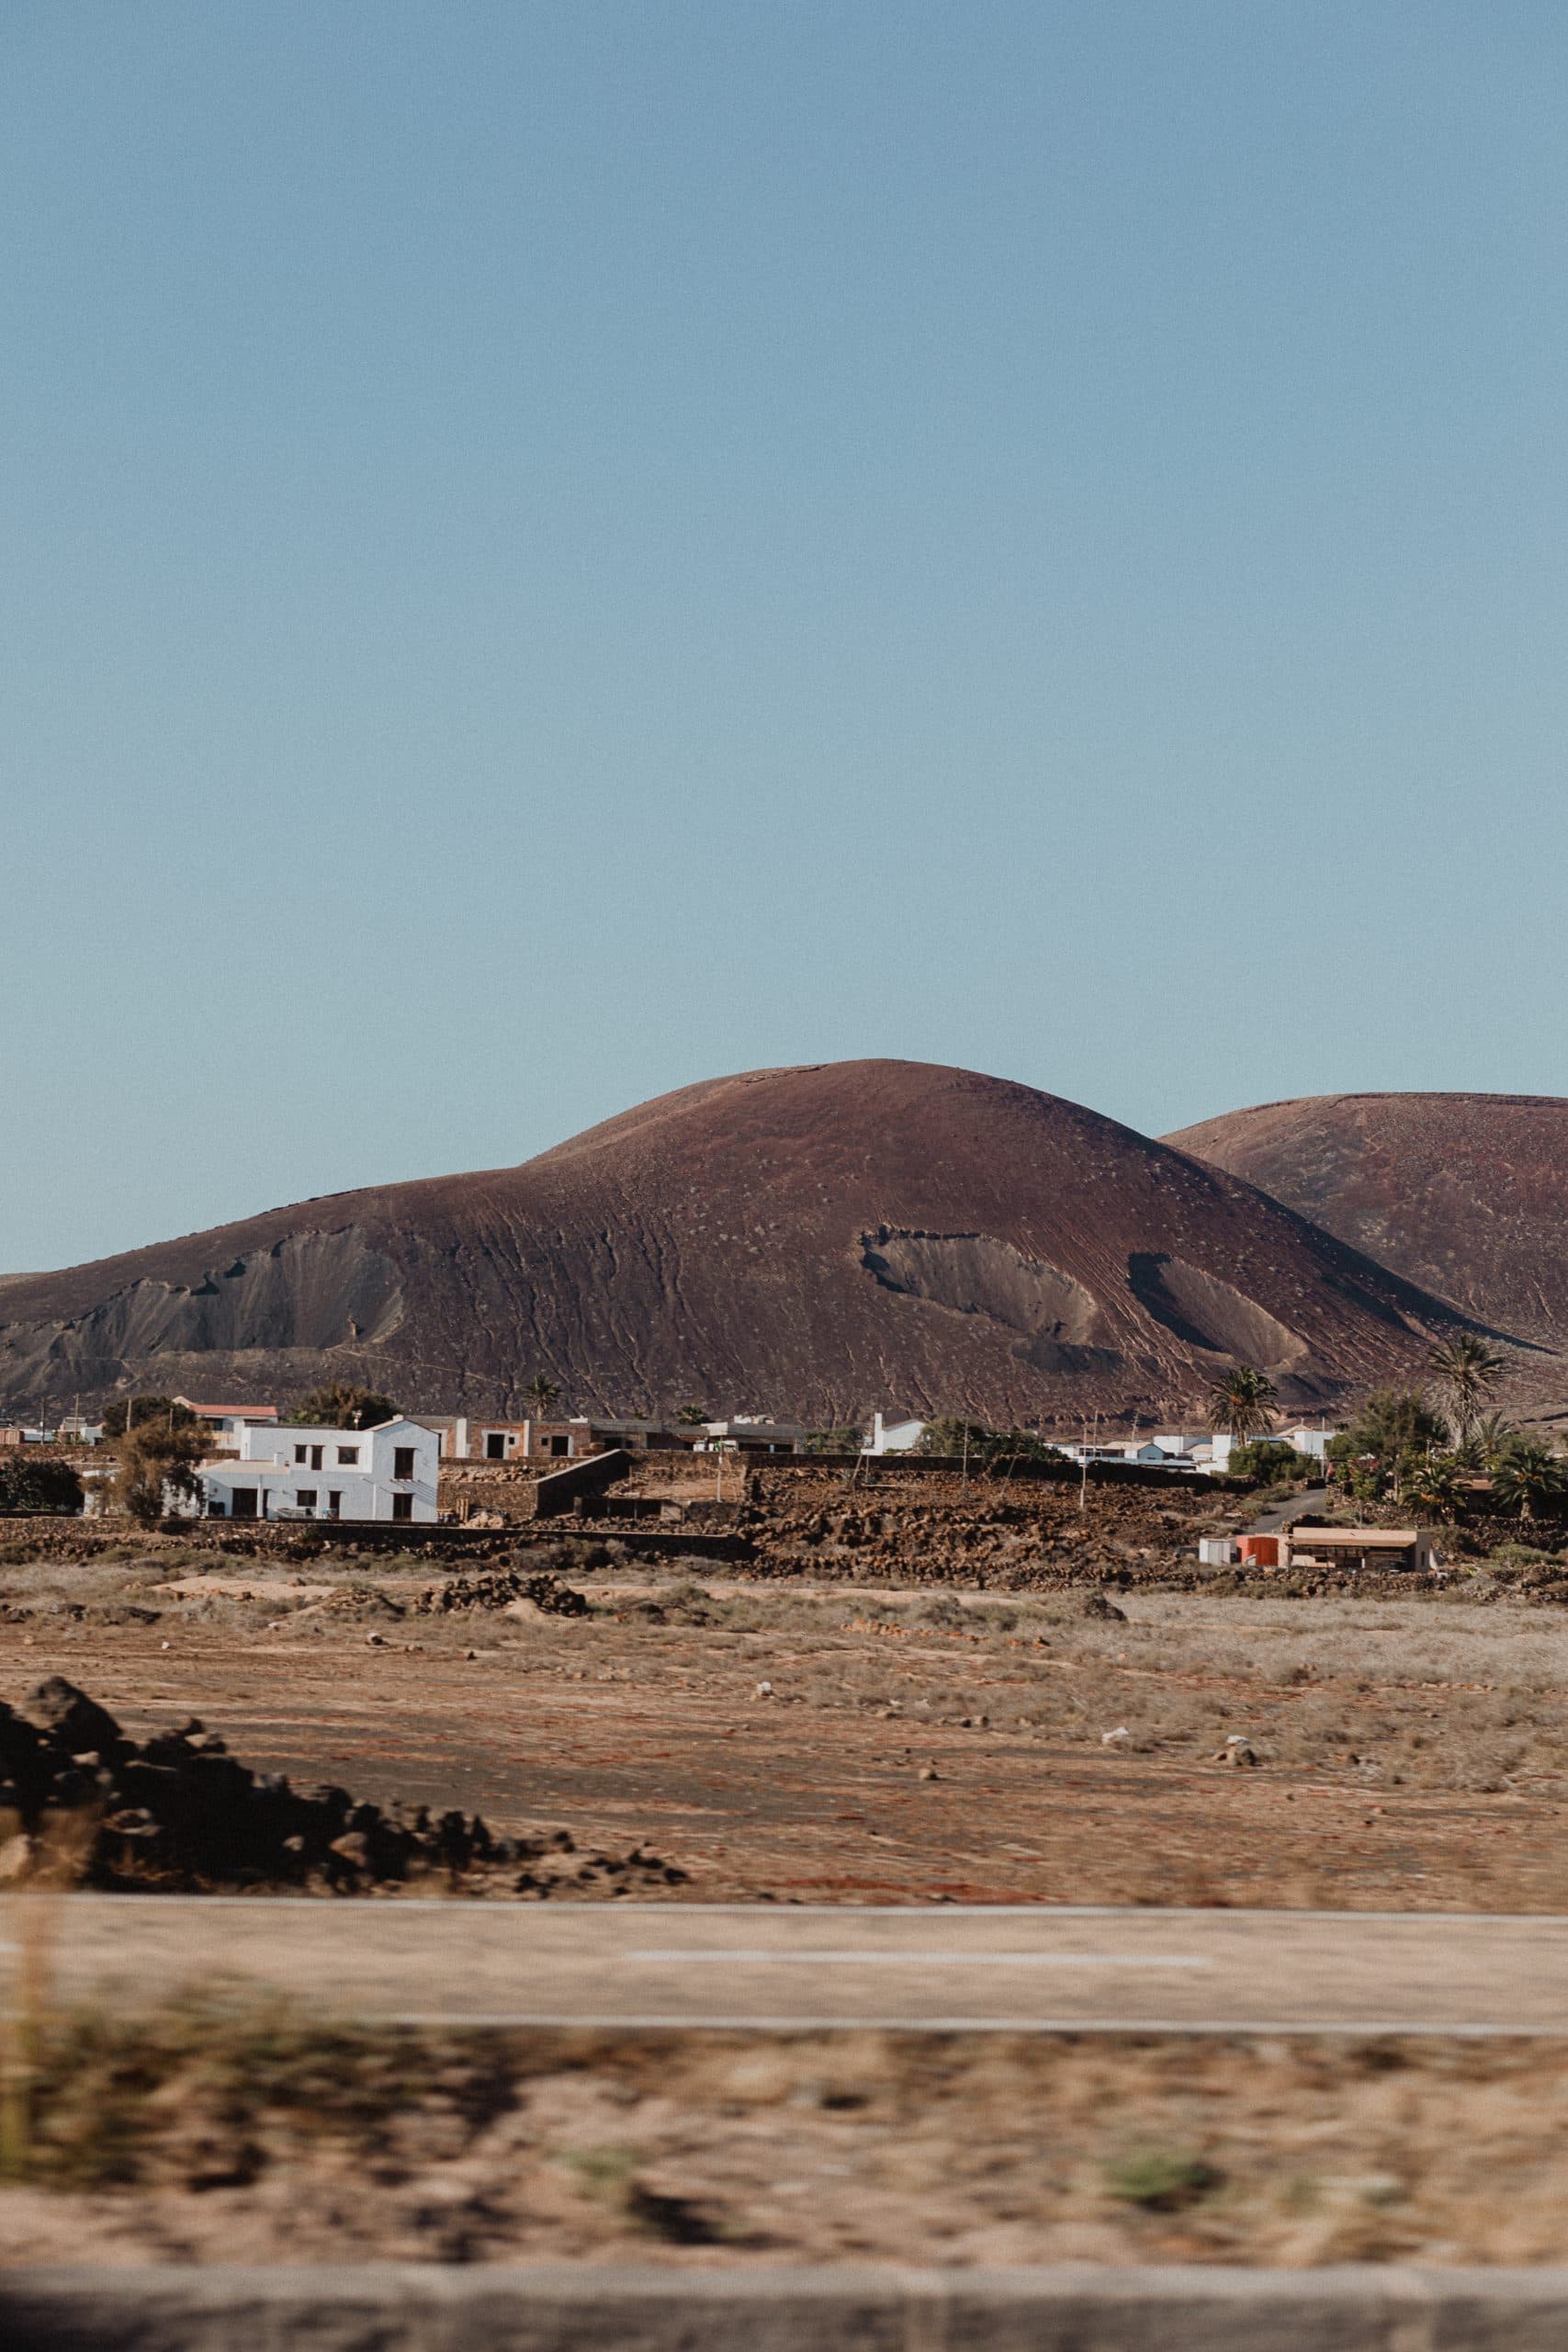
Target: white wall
x,y
268,1460
894,1437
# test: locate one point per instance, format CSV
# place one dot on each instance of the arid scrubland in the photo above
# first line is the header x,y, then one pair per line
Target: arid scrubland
x,y
1111,1739
824,1740
223,2131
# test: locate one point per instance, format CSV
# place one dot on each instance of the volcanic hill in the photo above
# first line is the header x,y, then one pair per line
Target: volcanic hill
x,y
1465,1194
815,1241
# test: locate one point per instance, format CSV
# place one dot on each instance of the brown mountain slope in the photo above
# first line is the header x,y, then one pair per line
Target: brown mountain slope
x,y
817,1240
1465,1194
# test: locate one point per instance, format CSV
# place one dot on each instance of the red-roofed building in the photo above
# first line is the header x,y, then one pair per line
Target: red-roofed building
x,y
226,1421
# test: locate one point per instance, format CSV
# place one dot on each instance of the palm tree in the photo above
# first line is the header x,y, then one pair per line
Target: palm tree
x,y
692,1417
540,1397
1488,1442
1464,1368
1434,1490
1530,1477
1242,1402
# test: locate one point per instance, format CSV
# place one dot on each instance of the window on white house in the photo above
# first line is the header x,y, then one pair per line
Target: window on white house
x,y
305,1498
402,1462
348,1456
300,1451
315,1457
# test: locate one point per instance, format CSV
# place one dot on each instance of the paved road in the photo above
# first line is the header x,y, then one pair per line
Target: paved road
x,y
754,1965
1311,1498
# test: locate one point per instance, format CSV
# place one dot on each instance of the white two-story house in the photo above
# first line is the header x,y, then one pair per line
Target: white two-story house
x,y
387,1473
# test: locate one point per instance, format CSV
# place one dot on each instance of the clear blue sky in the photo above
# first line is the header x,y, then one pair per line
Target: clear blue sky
x,y
552,550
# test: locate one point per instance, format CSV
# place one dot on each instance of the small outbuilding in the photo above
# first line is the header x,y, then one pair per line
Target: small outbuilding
x,y
1306,1546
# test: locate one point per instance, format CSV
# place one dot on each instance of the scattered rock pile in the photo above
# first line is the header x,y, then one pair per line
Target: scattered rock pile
x,y
177,1813
499,1589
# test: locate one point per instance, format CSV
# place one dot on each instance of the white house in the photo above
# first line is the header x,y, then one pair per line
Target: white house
x,y
385,1473
226,1421
1152,1452
1158,1455
1123,1450
1313,1442
894,1437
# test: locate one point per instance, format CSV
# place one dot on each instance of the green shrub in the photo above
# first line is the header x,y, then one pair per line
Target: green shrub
x,y
31,1483
951,1435
1162,2180
1271,1459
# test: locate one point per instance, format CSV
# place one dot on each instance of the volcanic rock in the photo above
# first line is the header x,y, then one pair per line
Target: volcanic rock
x,y
179,1813
506,1588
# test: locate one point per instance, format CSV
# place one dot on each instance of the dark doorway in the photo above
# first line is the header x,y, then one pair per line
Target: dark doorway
x,y
244,1502
402,1506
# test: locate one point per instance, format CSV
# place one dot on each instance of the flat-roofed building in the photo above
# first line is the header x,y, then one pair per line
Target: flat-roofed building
x,y
749,1434
1304,1546
389,1473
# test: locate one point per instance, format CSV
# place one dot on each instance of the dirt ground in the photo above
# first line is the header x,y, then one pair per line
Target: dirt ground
x,y
827,1743
883,1737
182,2139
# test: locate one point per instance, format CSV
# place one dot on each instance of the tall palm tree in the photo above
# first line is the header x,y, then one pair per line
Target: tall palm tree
x,y
1464,1368
540,1395
1242,1402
